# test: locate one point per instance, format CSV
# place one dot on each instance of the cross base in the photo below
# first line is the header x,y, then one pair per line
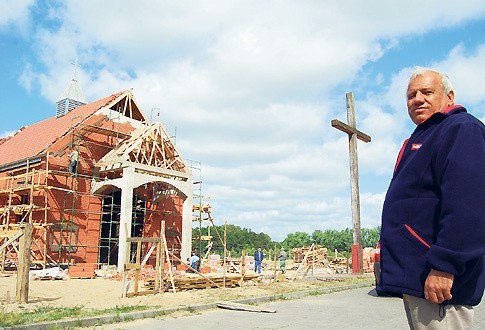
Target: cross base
x,y
356,259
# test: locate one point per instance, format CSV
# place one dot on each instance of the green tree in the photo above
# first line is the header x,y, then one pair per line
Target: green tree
x,y
370,236
237,239
343,240
329,238
297,239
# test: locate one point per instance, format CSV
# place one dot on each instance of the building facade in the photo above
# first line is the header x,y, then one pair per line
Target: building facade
x,y
128,178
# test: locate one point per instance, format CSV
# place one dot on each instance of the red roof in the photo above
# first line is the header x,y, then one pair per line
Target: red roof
x,y
35,139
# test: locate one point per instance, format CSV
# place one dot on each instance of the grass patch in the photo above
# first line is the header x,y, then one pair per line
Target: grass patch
x,y
46,314
40,314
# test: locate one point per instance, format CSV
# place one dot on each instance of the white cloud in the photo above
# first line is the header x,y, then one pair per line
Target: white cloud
x,y
251,88
15,13
27,78
371,208
466,72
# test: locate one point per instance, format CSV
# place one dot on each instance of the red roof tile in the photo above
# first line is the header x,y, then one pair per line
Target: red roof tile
x,y
35,139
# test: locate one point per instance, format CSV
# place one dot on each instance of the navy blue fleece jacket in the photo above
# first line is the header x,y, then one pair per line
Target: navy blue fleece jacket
x,y
434,211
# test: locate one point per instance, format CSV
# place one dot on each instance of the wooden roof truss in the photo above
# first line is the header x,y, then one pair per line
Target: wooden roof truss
x,y
149,145
126,105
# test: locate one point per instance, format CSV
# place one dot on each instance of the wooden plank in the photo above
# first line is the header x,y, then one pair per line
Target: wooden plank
x,y
174,256
242,307
191,283
10,233
165,247
350,130
132,266
11,240
141,293
302,263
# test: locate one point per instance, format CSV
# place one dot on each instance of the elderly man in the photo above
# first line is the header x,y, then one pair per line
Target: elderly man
x,y
433,219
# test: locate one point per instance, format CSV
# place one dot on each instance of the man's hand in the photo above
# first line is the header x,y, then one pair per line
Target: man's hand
x,y
437,287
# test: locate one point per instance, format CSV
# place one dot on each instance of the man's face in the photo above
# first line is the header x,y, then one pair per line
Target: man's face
x,y
425,96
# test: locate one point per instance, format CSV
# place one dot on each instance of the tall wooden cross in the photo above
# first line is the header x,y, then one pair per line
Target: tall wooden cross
x,y
353,134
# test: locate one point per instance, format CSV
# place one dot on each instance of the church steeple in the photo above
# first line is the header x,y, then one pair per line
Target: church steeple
x,y
72,97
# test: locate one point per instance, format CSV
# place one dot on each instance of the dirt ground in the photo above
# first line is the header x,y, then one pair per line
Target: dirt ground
x,y
102,293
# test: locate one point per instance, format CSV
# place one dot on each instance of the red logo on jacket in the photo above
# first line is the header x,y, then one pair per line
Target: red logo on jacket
x,y
416,146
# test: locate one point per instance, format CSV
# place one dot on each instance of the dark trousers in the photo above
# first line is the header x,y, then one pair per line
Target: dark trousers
x,y
257,267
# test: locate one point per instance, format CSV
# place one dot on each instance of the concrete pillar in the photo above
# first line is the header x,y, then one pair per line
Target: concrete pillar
x,y
127,185
187,222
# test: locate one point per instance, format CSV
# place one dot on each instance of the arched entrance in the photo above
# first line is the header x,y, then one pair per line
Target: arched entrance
x,y
135,206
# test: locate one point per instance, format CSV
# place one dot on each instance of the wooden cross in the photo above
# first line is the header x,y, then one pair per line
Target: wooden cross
x,y
353,134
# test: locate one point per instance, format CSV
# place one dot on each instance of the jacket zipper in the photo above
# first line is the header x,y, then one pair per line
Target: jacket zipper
x,y
416,235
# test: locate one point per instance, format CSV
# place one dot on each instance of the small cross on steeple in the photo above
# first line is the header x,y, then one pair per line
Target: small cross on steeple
x,y
76,65
72,97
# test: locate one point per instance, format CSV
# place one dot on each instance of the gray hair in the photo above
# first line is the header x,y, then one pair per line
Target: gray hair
x,y
445,80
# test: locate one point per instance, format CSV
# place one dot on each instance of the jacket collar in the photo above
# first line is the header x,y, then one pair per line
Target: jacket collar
x,y
453,109
446,112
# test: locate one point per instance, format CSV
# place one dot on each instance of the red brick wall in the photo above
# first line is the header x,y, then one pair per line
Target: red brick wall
x,y
81,208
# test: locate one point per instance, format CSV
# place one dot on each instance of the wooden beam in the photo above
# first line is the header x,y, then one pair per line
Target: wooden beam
x,y
302,262
23,265
350,130
243,307
12,238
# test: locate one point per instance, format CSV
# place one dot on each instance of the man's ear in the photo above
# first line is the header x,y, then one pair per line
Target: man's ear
x,y
451,97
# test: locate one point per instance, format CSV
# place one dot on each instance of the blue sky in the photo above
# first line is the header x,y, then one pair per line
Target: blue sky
x,y
250,88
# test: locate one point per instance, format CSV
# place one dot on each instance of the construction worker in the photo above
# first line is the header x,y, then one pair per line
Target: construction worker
x,y
282,257
258,259
73,159
195,261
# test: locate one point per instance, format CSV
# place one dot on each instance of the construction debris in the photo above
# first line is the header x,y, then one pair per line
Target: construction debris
x,y
54,273
316,258
234,265
242,307
197,282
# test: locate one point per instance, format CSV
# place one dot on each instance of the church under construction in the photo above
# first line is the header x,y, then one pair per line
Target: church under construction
x,y
128,180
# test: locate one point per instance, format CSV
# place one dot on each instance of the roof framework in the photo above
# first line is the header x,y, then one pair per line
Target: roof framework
x,y
150,145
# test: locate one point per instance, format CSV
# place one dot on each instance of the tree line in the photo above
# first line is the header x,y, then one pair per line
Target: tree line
x,y
239,239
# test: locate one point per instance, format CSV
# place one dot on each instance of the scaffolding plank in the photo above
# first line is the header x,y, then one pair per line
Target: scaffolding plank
x,y
9,233
11,240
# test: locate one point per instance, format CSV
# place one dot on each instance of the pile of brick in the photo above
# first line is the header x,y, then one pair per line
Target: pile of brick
x,y
83,270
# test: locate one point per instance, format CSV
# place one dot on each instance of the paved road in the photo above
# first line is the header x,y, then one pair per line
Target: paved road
x,y
351,309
